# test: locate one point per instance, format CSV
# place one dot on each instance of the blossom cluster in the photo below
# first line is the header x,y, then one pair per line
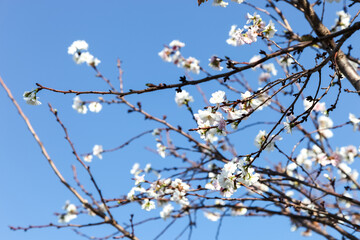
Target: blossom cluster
x,y
162,190
258,27
211,122
221,3
80,54
97,150
172,54
234,174
71,213
81,107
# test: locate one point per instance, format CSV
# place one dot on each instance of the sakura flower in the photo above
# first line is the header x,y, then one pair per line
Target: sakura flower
x,y
148,205
345,170
135,170
183,98
255,18
270,68
220,3
270,30
348,153
234,114
324,124
88,158
217,97
147,168
211,123
80,55
176,44
191,64
97,150
238,210
31,98
139,179
286,61
165,54
87,58
79,105
237,38
238,1
260,140
220,203
71,213
354,120
166,212
161,150
343,20
215,63
95,107
264,77
212,216
77,46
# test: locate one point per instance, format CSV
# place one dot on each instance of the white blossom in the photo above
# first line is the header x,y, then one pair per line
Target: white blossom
x,y
166,212
97,150
260,140
79,45
348,153
238,210
176,44
324,124
88,158
71,213
218,97
286,61
220,3
148,205
343,20
31,98
161,150
270,68
354,120
191,64
183,97
79,105
270,30
212,216
135,170
95,107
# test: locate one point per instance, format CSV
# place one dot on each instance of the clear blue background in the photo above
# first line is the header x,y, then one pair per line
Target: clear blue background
x,y
34,36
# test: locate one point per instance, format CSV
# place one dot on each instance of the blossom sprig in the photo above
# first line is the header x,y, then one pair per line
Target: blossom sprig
x,y
80,106
80,54
263,139
71,213
234,174
211,122
172,54
238,36
31,98
162,189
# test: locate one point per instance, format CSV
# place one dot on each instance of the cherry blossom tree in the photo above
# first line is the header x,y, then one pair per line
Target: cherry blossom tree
x,y
288,102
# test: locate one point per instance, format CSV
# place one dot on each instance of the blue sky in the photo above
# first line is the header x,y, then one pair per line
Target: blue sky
x,y
33,46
